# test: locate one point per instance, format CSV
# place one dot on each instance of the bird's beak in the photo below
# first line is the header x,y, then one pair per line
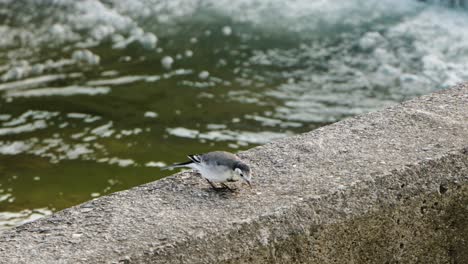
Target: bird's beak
x,y
248,182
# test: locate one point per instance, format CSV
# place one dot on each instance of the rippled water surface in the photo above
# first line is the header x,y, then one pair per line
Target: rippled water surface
x,y
95,96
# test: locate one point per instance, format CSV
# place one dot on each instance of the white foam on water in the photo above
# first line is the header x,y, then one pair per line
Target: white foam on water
x,y
10,219
379,63
307,16
121,162
104,130
227,30
77,115
85,56
90,13
216,126
4,117
129,132
31,82
204,75
119,80
77,151
182,132
30,127
14,148
266,121
243,136
158,164
167,62
150,114
62,91
228,135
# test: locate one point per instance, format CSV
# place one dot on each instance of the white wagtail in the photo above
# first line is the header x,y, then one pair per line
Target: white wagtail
x,y
217,166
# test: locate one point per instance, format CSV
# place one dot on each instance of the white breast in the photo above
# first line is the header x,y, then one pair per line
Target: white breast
x,y
217,173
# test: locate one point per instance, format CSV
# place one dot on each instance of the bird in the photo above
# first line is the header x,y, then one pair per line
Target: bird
x,y
217,167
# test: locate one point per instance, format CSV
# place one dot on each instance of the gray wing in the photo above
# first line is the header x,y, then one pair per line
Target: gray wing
x,y
222,158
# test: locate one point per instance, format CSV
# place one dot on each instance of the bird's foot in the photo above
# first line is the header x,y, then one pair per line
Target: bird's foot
x,y
223,187
228,188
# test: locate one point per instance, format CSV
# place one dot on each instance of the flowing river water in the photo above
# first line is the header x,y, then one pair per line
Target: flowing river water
x,y
95,96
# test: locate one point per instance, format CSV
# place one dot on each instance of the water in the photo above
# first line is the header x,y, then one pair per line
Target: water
x,y
95,96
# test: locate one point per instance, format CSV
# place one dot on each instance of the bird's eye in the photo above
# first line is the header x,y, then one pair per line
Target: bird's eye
x,y
242,175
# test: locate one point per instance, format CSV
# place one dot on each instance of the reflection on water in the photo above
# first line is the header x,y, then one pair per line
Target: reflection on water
x,y
8,219
95,96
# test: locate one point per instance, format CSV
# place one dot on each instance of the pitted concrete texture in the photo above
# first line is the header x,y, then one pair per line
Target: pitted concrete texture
x,y
384,187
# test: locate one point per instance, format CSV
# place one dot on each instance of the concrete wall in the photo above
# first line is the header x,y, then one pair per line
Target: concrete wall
x,y
385,187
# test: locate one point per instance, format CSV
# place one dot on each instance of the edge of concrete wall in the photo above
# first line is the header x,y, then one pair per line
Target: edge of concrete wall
x,y
385,187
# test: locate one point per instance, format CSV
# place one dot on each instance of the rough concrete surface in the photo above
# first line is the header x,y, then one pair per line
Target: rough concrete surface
x,y
384,187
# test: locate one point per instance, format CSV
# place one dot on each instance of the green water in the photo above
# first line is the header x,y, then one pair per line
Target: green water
x,y
73,127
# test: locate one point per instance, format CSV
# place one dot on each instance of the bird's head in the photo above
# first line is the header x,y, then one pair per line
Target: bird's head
x,y
243,170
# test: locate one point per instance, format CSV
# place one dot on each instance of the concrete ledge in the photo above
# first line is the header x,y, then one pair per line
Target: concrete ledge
x,y
385,187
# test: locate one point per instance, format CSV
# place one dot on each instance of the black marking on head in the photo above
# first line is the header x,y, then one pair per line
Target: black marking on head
x,y
242,166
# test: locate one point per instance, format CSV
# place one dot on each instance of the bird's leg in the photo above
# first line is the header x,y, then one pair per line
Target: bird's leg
x,y
227,187
212,184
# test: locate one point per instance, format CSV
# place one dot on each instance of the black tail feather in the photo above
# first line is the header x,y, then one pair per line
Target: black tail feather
x,y
194,158
177,165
